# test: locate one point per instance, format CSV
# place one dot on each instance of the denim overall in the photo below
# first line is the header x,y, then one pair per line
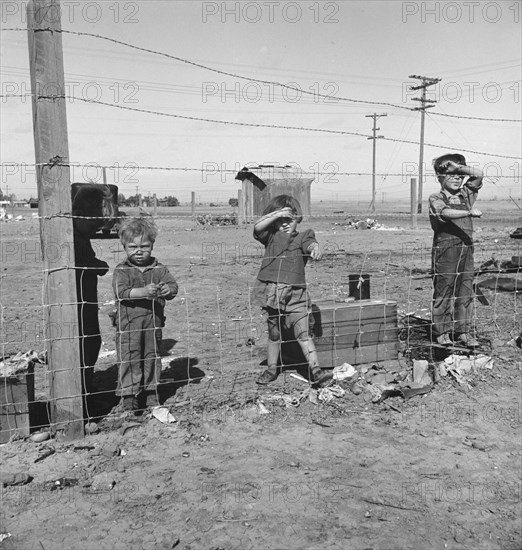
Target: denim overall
x,y
452,265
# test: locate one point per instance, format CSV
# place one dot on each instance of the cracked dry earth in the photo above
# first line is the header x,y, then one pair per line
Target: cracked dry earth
x,y
439,470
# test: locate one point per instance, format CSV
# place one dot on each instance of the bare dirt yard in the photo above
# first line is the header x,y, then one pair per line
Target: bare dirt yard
x,y
248,467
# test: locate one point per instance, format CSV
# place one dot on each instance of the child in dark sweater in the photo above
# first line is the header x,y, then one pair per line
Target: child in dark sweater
x,y
141,285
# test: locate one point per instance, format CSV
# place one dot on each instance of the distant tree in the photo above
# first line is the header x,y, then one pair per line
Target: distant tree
x,y
1,195
171,201
133,200
233,202
121,199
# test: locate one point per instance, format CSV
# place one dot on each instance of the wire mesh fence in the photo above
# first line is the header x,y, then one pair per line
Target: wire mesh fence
x,y
213,344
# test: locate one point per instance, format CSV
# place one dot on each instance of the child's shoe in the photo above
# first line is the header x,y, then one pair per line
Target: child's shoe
x,y
269,375
468,340
319,376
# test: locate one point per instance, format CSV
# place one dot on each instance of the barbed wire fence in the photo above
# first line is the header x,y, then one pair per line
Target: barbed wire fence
x,y
214,340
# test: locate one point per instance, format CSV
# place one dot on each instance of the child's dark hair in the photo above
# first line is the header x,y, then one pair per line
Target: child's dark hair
x,y
285,201
95,201
141,226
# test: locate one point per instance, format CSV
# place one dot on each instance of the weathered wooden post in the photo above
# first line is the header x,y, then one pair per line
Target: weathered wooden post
x,y
241,207
56,227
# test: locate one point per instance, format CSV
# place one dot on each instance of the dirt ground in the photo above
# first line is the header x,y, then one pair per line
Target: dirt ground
x,y
241,468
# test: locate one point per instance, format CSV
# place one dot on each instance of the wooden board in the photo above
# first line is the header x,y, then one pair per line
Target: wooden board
x,y
16,396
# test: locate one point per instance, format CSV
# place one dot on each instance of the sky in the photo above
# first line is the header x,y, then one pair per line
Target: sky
x,y
353,58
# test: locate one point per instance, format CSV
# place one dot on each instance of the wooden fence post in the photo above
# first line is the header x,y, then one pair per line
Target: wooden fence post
x,y
56,227
241,207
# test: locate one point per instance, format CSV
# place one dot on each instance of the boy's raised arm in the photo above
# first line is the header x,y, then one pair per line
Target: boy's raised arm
x,y
474,172
265,221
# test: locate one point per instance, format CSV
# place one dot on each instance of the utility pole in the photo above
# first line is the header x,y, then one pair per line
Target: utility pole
x,y
375,137
54,207
425,104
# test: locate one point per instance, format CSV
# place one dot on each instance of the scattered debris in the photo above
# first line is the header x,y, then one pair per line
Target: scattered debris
x,y
517,233
505,284
9,480
91,428
421,376
61,483
21,362
329,393
44,453
110,449
224,219
163,415
261,407
38,437
102,483
344,371
368,223
299,377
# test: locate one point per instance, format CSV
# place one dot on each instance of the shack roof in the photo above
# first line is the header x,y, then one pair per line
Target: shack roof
x,y
268,173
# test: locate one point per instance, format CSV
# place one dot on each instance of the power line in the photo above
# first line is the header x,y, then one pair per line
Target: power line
x,y
249,79
292,169
252,125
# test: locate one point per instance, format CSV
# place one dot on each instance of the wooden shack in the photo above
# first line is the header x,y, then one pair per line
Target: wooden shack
x,y
261,183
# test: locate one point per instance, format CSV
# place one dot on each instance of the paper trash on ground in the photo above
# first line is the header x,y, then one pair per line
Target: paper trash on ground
x,y
344,371
163,415
463,365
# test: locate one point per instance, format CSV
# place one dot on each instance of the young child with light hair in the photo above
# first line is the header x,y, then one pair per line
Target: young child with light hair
x,y
141,286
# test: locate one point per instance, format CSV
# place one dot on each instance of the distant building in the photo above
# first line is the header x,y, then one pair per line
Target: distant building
x,y
261,183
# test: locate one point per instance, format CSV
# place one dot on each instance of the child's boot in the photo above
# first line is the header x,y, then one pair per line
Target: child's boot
x,y
468,340
269,375
319,376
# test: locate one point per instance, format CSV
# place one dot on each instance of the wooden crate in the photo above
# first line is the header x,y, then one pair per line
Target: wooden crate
x,y
364,331
16,397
